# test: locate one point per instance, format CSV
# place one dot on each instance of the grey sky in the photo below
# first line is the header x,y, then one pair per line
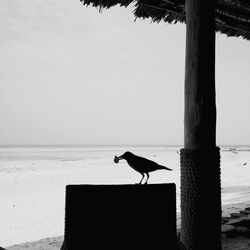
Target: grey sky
x,y
70,75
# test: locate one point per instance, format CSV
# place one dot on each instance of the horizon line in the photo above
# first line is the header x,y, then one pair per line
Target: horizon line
x,y
110,145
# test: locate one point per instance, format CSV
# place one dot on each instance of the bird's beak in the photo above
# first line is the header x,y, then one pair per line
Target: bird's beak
x,y
117,159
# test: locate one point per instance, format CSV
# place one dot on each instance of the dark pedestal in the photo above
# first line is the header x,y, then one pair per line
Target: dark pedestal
x,y
120,217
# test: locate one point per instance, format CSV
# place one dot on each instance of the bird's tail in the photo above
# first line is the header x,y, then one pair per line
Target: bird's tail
x,y
162,167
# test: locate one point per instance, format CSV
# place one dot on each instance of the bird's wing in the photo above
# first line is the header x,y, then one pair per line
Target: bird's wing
x,y
147,165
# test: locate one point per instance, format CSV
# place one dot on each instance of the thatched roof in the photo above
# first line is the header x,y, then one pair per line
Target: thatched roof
x,y
232,16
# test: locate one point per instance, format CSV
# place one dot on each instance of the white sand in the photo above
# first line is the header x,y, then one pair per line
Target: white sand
x,y
33,191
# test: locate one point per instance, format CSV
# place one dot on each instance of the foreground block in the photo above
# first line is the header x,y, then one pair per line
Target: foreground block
x,y
120,217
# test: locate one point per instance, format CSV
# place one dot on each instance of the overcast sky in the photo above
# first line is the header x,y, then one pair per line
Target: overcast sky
x,y
70,75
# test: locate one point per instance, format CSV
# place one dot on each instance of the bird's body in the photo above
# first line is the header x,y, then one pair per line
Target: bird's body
x,y
140,164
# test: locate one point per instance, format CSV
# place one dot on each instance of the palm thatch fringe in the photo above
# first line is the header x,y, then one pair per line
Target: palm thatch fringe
x,y
232,16
231,31
106,3
157,14
239,3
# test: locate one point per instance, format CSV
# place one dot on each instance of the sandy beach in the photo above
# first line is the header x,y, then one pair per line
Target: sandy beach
x,y
32,188
54,243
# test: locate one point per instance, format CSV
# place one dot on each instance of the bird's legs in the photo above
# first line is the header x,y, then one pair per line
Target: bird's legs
x,y
141,178
146,182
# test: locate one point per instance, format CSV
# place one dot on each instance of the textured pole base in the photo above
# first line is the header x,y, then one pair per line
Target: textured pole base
x,y
120,217
200,199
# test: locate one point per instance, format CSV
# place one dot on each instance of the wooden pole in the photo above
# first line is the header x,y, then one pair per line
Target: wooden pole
x,y
200,110
200,159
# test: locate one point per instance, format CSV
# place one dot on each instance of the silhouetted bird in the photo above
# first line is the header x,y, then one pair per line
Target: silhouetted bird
x,y
140,164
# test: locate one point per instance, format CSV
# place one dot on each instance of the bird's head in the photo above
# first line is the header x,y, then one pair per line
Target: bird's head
x,y
125,156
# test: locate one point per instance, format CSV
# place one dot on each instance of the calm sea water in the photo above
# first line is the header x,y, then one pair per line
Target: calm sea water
x,y
74,153
65,153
